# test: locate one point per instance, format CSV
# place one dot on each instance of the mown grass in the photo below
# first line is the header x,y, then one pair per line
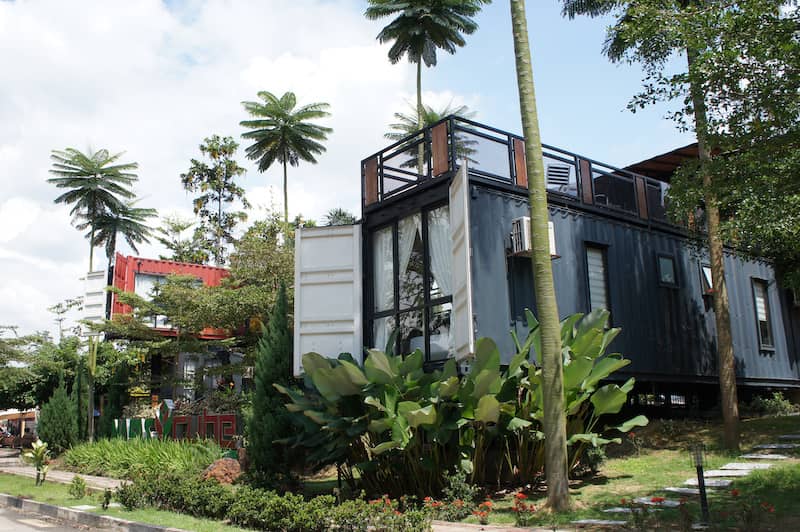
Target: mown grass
x,y
119,458
58,495
663,461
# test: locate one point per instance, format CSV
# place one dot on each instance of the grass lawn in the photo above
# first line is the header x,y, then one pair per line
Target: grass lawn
x,y
58,495
662,461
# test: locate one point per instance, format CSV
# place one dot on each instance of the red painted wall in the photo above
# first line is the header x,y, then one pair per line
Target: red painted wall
x,y
126,268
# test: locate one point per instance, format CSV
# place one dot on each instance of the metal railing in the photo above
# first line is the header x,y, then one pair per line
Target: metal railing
x,y
498,156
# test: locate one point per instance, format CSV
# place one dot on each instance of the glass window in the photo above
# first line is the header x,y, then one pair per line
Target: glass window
x,y
763,322
596,267
410,261
383,269
382,329
666,271
440,252
440,331
706,280
412,335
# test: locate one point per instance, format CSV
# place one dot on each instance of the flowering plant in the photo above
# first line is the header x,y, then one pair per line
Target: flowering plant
x,y
483,511
523,511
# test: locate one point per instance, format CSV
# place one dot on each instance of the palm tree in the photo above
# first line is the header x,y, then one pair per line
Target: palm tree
x,y
555,434
283,133
653,47
130,222
339,216
420,27
97,184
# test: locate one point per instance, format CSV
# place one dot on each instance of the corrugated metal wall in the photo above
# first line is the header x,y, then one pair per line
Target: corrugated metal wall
x,y
668,332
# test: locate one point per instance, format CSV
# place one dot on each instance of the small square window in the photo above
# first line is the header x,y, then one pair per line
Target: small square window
x,y
666,271
705,279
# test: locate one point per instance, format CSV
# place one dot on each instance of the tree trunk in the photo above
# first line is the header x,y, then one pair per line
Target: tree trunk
x,y
285,199
90,371
725,357
420,113
91,249
552,365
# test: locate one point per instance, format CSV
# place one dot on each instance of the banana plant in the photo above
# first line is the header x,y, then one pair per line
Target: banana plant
x,y
39,458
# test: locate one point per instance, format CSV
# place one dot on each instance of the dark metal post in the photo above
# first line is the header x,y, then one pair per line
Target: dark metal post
x,y
701,481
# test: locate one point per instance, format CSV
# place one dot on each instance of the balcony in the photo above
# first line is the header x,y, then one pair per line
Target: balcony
x,y
498,157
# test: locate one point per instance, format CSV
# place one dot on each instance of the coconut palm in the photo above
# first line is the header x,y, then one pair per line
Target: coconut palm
x,y
421,27
284,133
339,216
130,222
653,46
554,422
97,183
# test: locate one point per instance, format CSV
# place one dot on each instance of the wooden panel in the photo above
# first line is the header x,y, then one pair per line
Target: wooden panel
x,y
519,163
641,198
371,181
441,163
586,181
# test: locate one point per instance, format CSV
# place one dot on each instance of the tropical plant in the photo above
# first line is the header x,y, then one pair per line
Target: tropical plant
x,y
400,429
217,187
672,29
129,221
281,132
97,185
58,421
77,488
339,216
39,458
269,420
421,27
554,420
194,249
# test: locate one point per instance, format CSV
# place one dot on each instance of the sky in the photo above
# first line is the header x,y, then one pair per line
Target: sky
x,y
153,79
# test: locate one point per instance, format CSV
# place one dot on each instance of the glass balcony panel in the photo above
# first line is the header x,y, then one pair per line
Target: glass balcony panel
x,y
614,191
487,156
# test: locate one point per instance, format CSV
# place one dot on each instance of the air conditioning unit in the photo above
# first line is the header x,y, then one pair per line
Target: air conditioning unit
x,y
521,236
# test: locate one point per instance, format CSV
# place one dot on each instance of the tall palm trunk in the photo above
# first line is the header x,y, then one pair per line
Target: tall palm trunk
x,y
91,366
725,358
552,366
285,198
420,113
91,249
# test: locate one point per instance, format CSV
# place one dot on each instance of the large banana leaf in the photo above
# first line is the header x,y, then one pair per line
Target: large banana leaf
x,y
488,409
378,367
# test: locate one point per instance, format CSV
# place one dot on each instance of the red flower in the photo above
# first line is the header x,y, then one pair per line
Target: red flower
x,y
623,500
458,503
631,435
437,504
488,504
657,499
427,499
520,495
735,492
397,513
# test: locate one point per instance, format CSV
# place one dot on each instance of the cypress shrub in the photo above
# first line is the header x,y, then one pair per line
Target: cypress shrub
x,y
58,421
269,420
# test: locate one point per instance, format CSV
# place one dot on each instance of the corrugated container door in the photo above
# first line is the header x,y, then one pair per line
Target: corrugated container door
x,y
327,292
463,328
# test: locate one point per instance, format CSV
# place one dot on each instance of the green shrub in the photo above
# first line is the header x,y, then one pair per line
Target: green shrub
x,y
120,458
58,421
178,493
351,516
459,497
374,421
594,456
77,488
777,405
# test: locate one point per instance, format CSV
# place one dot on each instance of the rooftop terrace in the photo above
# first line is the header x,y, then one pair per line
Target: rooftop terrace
x,y
498,158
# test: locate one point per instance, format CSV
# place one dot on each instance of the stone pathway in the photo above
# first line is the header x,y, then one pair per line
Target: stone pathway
x,y
11,463
714,478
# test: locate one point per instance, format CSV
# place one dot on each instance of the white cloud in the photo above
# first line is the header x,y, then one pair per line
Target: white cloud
x,y
153,81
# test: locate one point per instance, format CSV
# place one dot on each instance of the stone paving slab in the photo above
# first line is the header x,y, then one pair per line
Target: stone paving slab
x,y
769,446
599,522
666,503
743,466
710,483
756,456
789,437
683,491
617,510
84,507
721,473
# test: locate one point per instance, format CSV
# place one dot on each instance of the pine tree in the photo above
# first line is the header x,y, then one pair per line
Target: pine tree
x,y
270,420
58,421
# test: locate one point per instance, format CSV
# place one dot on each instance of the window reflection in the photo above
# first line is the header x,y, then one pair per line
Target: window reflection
x,y
410,263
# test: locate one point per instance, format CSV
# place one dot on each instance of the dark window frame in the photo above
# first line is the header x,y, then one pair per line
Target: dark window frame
x,y
768,309
427,302
603,248
703,282
661,280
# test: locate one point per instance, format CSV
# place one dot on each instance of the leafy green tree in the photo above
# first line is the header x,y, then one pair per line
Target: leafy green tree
x,y
96,183
130,222
281,132
270,420
194,249
554,422
60,310
421,27
117,399
651,32
58,421
217,187
339,216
